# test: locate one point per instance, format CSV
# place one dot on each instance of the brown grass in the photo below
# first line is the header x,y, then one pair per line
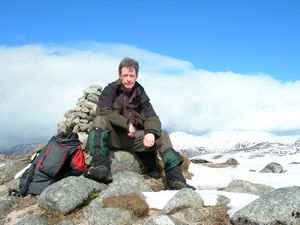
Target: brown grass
x,y
55,217
215,215
155,184
212,215
25,202
133,202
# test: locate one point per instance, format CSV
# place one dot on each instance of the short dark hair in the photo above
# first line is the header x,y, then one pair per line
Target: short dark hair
x,y
128,62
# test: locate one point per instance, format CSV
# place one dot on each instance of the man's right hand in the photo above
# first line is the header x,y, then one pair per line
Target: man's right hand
x,y
131,130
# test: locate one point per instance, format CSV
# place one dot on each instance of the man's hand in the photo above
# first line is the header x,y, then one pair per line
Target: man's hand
x,y
149,140
131,130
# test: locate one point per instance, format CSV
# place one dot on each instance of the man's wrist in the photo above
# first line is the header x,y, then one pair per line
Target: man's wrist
x,y
150,131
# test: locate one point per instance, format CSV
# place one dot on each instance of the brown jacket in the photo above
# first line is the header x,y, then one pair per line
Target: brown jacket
x,y
112,106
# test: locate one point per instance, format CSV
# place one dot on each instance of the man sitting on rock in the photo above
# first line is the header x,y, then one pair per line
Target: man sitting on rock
x,y
125,119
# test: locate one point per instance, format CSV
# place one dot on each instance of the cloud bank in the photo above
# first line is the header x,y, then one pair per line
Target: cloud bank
x,y
39,83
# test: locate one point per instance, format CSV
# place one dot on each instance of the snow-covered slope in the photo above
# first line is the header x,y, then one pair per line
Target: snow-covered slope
x,y
227,141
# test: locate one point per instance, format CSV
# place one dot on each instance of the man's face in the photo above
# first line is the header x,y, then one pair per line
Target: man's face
x,y
128,78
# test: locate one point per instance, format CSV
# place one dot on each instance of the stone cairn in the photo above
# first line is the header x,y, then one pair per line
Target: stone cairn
x,y
80,118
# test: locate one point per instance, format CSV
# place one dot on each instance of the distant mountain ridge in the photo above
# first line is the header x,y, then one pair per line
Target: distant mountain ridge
x,y
20,150
225,141
230,141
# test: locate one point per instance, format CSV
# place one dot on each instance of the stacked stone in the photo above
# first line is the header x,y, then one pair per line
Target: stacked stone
x,y
80,118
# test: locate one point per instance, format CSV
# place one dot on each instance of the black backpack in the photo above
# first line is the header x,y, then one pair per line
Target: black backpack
x,y
61,157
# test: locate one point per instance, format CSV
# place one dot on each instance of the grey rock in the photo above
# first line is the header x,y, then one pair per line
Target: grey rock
x,y
90,90
32,220
61,126
280,206
198,161
14,184
109,216
222,200
94,206
91,105
99,88
8,169
164,220
131,179
184,198
232,162
6,202
3,193
242,186
83,138
81,115
85,126
66,223
83,121
72,113
76,128
81,101
125,161
93,98
272,167
124,183
69,122
85,110
66,195
76,120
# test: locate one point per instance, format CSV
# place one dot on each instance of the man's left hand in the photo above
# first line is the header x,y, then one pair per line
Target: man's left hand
x,y
149,140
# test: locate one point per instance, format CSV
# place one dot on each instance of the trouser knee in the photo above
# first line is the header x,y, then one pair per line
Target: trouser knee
x,y
100,122
164,141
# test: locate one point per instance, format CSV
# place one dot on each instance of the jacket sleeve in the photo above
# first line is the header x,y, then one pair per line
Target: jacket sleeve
x,y
106,108
152,122
152,125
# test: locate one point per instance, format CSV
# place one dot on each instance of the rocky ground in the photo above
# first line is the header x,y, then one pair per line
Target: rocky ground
x,y
81,201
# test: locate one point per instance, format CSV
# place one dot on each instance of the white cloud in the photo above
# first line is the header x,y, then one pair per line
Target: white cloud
x,y
39,83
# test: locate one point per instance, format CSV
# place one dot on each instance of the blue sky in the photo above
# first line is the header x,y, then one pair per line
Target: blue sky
x,y
240,36
219,65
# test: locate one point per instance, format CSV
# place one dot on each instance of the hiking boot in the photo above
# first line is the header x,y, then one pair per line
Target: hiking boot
x,y
177,185
99,173
153,173
175,179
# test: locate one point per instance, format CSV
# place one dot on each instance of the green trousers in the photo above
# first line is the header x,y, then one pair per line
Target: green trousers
x,y
119,140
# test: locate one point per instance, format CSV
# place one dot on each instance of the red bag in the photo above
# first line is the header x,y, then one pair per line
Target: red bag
x,y
78,162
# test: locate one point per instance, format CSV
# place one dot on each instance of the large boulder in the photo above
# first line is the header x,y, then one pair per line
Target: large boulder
x,y
9,168
129,180
184,198
125,161
126,185
248,187
280,206
272,167
66,195
6,202
105,216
